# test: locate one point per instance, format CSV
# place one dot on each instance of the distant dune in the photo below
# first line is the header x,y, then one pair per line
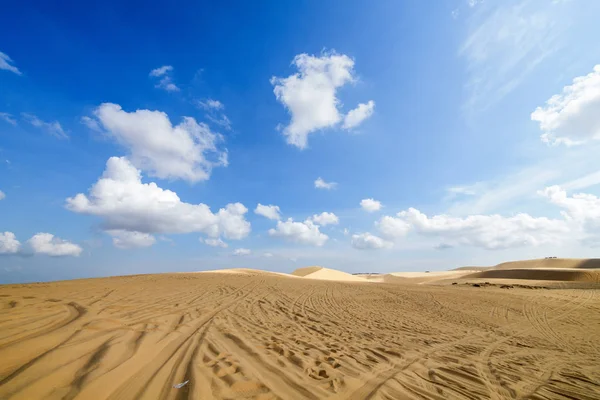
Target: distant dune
x,y
580,263
327,274
471,269
539,274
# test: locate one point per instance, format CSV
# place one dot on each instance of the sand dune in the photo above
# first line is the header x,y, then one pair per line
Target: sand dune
x,y
589,263
539,274
254,335
326,274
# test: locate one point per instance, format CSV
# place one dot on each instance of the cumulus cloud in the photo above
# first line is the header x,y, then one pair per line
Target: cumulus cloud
x,y
123,239
486,231
321,184
214,242
572,117
2,195
366,241
310,95
9,243
270,211
165,81
268,255
358,115
582,209
125,203
325,218
392,228
186,151
54,128
8,118
6,64
241,252
370,205
47,243
299,232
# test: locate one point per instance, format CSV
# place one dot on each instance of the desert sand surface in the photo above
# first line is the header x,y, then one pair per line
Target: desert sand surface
x,y
246,334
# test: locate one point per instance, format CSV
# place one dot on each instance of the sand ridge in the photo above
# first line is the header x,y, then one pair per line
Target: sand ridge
x,y
264,336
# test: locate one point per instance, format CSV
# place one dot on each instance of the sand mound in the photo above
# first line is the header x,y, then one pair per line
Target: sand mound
x,y
540,274
579,263
327,274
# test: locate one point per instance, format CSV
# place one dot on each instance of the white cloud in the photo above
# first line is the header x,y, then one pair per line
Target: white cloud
x,y
268,255
270,211
486,231
241,252
366,241
8,118
392,228
187,151
325,218
358,115
370,205
473,3
299,232
8,243
2,195
157,72
581,208
210,104
123,202
165,82
321,184
310,94
123,239
5,63
214,242
47,243
54,128
572,117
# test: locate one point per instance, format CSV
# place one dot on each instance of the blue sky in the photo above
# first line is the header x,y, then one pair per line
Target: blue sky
x,y
124,129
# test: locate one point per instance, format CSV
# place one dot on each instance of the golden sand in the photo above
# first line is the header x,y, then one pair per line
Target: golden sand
x,y
253,335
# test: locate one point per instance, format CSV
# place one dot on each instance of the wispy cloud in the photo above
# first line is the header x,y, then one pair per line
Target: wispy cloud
x,y
505,43
165,82
8,118
54,128
6,64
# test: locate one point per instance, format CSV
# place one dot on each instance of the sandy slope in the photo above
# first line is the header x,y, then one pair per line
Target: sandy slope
x,y
250,335
326,274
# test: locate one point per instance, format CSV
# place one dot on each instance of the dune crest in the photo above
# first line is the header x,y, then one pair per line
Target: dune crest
x,y
326,274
